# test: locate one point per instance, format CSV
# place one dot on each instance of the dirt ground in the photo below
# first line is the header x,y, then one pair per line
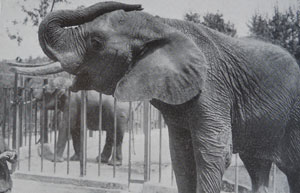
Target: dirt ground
x,y
137,160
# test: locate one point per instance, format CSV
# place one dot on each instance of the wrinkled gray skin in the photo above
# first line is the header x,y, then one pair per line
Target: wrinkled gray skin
x,y
208,87
92,120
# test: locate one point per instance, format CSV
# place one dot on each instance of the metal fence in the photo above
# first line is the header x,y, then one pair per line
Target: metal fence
x,y
25,127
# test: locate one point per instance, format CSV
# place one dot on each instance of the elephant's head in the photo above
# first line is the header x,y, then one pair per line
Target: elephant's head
x,y
55,87
114,49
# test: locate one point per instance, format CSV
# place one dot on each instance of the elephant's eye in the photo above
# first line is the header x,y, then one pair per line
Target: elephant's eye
x,y
97,43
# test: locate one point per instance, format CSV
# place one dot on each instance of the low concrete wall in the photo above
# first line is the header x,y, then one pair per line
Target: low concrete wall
x,y
158,188
80,181
111,186
151,187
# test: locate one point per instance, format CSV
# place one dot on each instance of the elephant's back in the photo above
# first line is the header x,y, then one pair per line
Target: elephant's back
x,y
107,111
273,66
268,79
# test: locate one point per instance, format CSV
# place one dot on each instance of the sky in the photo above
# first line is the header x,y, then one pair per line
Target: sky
x,y
237,12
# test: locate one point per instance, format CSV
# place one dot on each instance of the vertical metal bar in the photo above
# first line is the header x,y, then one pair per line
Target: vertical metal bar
x,y
35,121
69,131
9,115
4,112
83,134
115,137
15,112
21,107
136,125
137,120
86,134
236,183
160,146
100,132
19,126
141,119
130,127
274,178
30,121
91,133
55,129
45,111
147,142
50,114
42,129
172,176
150,129
16,124
46,132
18,133
25,115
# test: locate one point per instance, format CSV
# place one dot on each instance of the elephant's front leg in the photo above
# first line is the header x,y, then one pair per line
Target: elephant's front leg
x,y
211,143
62,137
183,159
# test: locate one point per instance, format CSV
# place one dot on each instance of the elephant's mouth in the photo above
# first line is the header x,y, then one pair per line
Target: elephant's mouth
x,y
85,81
102,77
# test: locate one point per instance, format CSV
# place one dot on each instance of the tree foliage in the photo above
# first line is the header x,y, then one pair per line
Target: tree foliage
x,y
283,29
33,15
214,21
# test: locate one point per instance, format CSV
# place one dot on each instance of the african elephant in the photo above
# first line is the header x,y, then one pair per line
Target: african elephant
x,y
92,120
208,86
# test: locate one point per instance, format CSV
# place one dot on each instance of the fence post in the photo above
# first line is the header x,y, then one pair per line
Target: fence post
x,y
172,175
160,144
30,129
115,138
130,130
8,119
274,178
15,112
55,124
45,114
100,132
236,184
147,134
21,107
16,118
25,113
43,127
68,130
4,112
83,134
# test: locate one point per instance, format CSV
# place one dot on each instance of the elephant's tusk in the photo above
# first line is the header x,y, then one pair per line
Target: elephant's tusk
x,y
51,68
19,64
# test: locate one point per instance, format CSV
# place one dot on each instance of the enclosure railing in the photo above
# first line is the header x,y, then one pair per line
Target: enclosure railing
x,y
25,124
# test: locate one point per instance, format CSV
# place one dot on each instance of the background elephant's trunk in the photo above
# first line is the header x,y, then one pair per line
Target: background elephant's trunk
x,y
68,45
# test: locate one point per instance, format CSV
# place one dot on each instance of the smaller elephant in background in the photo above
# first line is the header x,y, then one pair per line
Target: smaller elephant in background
x,y
92,120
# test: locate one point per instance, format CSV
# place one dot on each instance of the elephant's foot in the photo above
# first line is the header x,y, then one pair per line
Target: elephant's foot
x,y
7,191
104,160
57,159
48,154
262,189
75,157
117,162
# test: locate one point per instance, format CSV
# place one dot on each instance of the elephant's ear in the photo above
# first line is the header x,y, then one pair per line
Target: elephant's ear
x,y
172,70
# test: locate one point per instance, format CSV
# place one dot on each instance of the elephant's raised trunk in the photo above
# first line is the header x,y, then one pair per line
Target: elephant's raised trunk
x,y
67,45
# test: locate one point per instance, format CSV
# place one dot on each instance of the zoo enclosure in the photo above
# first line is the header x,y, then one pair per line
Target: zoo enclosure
x,y
25,122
